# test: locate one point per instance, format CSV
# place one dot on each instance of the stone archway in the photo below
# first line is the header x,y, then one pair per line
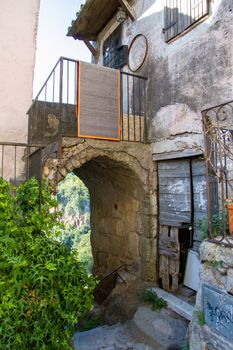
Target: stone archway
x,y
116,204
123,221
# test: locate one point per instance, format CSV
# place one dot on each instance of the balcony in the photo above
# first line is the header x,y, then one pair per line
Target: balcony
x,y
113,104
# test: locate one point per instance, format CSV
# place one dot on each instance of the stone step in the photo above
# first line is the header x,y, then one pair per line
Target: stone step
x,y
116,337
161,330
181,307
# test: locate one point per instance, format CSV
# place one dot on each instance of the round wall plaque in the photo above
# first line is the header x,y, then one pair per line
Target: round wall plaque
x,y
137,52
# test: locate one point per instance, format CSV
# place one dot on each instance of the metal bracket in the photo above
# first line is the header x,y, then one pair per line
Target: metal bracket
x,y
171,25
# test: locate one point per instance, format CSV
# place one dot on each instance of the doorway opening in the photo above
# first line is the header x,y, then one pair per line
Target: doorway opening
x,y
122,220
182,205
74,203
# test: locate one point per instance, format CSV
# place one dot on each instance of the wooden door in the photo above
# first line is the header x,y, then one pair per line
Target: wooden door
x,y
182,204
175,210
174,192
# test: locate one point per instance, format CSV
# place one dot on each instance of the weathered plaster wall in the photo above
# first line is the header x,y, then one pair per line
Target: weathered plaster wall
x,y
18,25
216,272
122,182
193,72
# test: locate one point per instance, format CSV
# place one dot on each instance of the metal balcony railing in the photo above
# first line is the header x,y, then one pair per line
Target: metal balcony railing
x,y
53,112
218,132
20,161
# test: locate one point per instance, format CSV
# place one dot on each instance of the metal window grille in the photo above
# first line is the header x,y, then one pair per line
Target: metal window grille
x,y
116,58
179,15
115,54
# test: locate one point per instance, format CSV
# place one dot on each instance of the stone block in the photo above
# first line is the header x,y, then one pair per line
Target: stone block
x,y
148,271
114,262
133,222
154,208
120,228
128,205
81,147
214,252
83,155
69,141
145,249
102,260
69,166
46,171
116,213
133,242
59,177
52,174
100,243
103,224
63,172
118,246
212,276
75,162
135,205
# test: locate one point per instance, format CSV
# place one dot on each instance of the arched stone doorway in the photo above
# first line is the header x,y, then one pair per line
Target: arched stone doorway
x,y
123,220
117,198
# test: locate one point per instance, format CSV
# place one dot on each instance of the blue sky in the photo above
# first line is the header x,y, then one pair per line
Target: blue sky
x,y
54,19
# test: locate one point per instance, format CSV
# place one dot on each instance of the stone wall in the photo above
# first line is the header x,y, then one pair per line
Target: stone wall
x,y
122,182
214,300
185,76
18,27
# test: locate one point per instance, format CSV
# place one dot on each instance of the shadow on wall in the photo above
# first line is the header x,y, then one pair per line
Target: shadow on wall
x,y
193,69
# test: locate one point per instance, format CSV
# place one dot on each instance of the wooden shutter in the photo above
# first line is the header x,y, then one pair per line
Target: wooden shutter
x,y
181,14
98,108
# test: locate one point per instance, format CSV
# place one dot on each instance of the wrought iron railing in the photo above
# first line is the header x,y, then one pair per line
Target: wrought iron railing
x,y
17,161
53,111
218,131
107,284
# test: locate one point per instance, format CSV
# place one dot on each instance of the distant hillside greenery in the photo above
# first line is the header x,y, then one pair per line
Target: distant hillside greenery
x,y
74,203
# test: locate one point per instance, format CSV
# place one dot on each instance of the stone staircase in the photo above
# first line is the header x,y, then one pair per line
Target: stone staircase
x,y
148,330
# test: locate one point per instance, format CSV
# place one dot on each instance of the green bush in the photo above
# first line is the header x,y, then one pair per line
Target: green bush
x,y
44,290
216,223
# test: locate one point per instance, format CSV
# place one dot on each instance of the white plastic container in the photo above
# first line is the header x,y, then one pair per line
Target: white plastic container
x,y
192,270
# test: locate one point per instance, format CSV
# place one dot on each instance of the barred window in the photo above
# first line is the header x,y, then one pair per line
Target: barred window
x,y
179,15
114,53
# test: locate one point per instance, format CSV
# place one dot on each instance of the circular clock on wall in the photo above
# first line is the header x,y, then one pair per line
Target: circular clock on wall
x,y
137,52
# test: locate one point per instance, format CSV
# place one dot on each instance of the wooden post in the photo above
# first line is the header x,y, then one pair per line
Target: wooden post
x,y
128,9
90,47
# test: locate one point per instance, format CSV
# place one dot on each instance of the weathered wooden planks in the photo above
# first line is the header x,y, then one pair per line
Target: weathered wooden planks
x,y
174,192
93,17
169,257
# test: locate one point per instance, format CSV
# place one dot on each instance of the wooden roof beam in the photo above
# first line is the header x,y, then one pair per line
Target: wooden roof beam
x,y
90,47
128,9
